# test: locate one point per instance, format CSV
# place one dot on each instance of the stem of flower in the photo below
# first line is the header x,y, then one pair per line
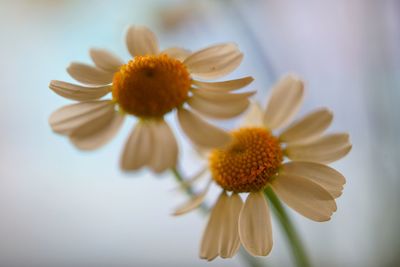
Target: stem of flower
x,y
251,262
294,241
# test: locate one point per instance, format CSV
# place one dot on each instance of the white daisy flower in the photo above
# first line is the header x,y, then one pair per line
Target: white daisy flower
x,y
148,87
291,163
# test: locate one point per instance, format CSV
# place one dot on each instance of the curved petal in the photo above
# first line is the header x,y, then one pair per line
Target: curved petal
x,y
221,97
214,61
216,109
98,132
200,132
209,248
165,151
286,98
79,93
177,53
89,75
254,116
141,41
224,86
304,196
105,60
330,179
138,148
221,236
68,118
309,127
255,228
193,203
229,241
325,149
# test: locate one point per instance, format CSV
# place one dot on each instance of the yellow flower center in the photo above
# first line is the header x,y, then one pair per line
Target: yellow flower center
x,y
249,162
150,86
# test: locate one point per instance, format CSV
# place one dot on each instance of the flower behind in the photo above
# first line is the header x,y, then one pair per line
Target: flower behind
x,y
149,86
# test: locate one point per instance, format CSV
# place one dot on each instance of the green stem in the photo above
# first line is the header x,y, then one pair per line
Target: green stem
x,y
287,225
252,262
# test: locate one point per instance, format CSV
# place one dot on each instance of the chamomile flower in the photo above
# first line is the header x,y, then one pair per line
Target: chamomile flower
x,y
149,86
291,163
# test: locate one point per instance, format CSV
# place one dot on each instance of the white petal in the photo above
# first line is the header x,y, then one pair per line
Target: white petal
x,y
254,117
309,127
229,241
165,152
255,228
220,105
221,236
325,149
209,248
330,179
79,93
217,109
105,60
97,132
214,61
304,196
193,203
177,53
141,41
89,75
224,86
286,98
200,132
138,148
68,118
221,97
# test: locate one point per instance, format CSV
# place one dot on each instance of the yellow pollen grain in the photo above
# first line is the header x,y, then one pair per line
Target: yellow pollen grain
x,y
249,162
151,86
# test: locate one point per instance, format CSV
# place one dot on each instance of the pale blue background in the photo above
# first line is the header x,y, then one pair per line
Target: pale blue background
x,y
62,207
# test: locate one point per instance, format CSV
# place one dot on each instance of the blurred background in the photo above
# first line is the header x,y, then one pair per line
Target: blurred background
x,y
62,207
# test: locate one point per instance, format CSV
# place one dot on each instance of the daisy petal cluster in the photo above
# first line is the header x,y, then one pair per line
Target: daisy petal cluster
x,y
152,84
292,163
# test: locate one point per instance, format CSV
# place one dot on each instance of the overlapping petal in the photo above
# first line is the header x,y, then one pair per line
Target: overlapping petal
x,y
309,127
177,53
325,149
305,196
165,148
219,105
97,132
221,236
105,60
285,100
201,132
224,86
254,117
214,61
141,41
89,75
77,92
327,177
138,148
68,118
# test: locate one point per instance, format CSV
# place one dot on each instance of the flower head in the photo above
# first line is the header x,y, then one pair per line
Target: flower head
x,y
291,163
149,86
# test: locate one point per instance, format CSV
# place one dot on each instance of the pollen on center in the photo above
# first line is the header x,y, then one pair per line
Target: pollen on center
x,y
151,86
249,162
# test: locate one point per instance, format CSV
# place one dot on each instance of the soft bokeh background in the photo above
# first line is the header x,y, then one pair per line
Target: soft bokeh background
x,y
62,207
